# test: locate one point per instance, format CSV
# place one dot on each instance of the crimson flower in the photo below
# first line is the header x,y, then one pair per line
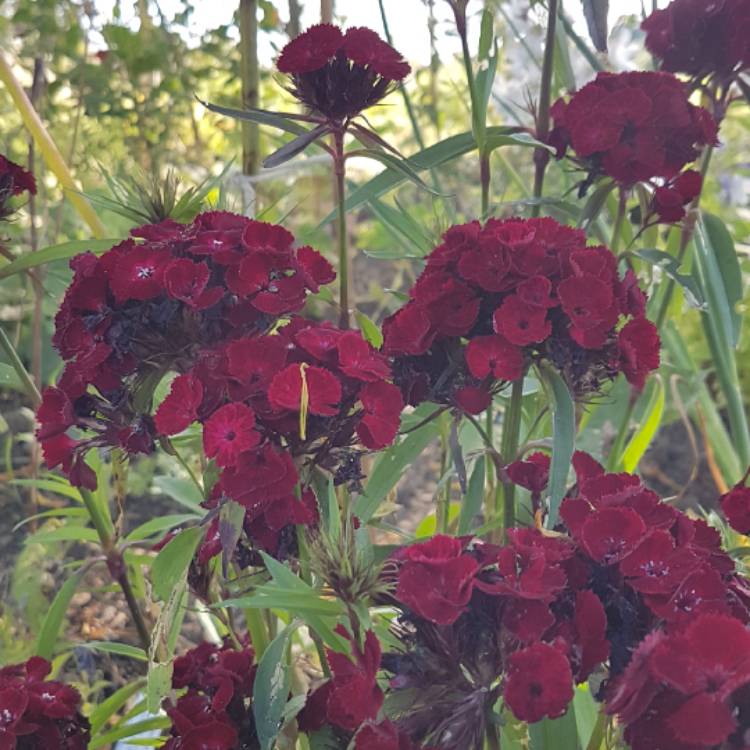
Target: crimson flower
x,y
539,683
228,432
180,408
436,579
14,180
638,343
337,75
321,388
632,126
735,505
211,715
39,713
493,299
701,39
352,696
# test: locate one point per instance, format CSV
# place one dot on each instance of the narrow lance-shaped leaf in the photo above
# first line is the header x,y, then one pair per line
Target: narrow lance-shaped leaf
x,y
596,12
646,431
295,146
671,266
563,438
48,635
261,116
397,164
271,688
172,562
62,251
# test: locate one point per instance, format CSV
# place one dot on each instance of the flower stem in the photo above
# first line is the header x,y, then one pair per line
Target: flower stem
x,y
600,730
541,156
614,243
256,626
509,449
117,566
343,270
485,179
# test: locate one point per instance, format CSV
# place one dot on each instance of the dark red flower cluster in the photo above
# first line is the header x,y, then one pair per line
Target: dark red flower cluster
x,y
273,406
39,714
636,127
517,290
701,38
627,586
337,74
689,689
214,711
150,305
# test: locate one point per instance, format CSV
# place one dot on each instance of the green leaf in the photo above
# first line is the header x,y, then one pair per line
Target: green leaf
x,y
563,438
128,730
111,705
9,378
171,564
396,164
431,157
596,12
157,525
55,252
649,424
48,635
555,734
722,246
65,533
277,120
595,203
427,527
271,687
472,502
158,684
586,713
182,491
391,463
721,325
121,649
58,486
295,146
671,266
231,518
371,333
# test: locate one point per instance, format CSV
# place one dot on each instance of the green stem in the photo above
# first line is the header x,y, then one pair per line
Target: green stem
x,y
343,269
541,156
600,730
116,563
485,177
688,228
188,470
509,449
15,361
619,219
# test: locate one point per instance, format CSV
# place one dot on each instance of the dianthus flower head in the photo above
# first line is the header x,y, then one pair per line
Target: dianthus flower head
x,y
14,180
337,75
701,39
160,302
212,712
39,713
636,127
735,505
494,299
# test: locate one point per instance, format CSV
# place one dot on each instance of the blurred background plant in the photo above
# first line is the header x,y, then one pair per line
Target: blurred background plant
x,y
117,85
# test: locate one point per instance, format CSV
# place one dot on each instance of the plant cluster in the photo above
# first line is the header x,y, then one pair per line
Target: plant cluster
x,y
200,335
